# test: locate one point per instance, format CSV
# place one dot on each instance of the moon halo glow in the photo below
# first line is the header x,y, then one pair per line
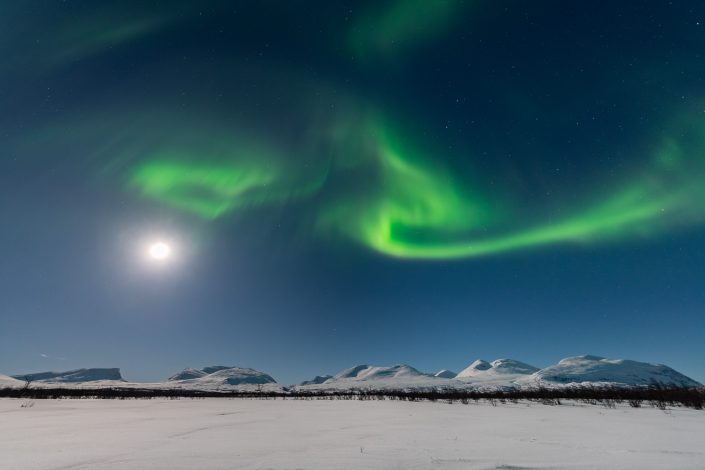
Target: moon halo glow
x,y
159,251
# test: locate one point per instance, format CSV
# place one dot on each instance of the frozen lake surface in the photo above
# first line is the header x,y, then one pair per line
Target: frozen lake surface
x,y
292,434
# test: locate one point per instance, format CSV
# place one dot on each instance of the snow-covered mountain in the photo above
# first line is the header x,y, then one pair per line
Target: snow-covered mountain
x,y
445,374
476,367
8,382
504,373
507,373
223,375
319,379
501,367
73,376
366,376
365,372
595,369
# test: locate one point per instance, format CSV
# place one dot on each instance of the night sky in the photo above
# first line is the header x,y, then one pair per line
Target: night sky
x,y
343,182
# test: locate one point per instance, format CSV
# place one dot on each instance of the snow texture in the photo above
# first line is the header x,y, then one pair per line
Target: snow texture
x,y
325,434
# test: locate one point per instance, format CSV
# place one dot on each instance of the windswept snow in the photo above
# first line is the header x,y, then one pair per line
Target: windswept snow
x,y
342,434
445,374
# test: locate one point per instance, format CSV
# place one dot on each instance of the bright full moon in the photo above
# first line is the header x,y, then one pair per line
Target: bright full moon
x,y
159,251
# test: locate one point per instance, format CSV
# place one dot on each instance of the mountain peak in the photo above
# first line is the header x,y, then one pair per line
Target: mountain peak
x,y
497,367
224,375
317,380
590,368
445,374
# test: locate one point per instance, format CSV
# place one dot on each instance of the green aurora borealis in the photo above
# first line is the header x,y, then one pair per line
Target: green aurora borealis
x,y
358,172
412,207
380,181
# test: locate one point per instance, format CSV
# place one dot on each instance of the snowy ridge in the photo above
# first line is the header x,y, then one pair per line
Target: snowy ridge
x,y
214,378
319,379
595,369
445,374
500,373
481,368
73,376
365,372
506,373
8,382
221,376
367,377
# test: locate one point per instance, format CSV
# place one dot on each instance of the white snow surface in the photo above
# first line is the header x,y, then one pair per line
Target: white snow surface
x,y
341,434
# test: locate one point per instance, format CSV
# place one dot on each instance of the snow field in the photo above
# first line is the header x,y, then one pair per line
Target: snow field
x,y
323,434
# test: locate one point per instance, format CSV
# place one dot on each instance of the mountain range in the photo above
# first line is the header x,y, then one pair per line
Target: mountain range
x,y
580,370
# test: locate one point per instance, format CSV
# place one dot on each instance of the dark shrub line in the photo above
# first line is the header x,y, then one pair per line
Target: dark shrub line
x,y
658,396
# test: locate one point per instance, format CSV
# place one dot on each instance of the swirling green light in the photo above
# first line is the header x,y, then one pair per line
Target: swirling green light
x,y
664,196
209,190
408,205
359,178
405,196
421,200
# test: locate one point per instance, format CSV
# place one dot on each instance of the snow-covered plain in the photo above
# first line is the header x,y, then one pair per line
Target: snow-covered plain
x,y
323,434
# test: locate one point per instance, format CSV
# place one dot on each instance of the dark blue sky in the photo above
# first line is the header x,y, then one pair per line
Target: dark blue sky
x,y
350,182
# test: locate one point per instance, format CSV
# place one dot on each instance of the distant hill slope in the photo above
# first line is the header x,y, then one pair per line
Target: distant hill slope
x,y
500,373
319,379
507,373
7,381
223,375
73,376
595,369
365,376
365,372
445,374
481,368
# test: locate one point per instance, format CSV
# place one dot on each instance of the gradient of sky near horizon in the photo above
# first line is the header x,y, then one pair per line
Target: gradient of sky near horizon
x,y
381,182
